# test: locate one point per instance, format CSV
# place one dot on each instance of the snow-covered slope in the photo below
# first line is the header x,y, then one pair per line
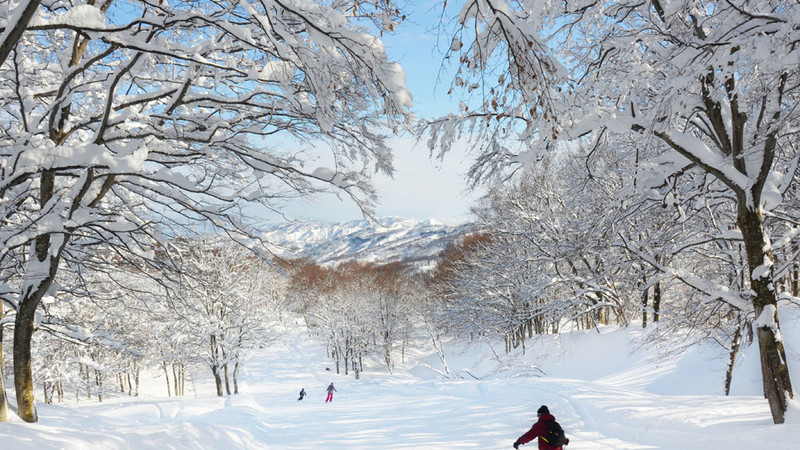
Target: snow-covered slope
x,y
391,240
606,391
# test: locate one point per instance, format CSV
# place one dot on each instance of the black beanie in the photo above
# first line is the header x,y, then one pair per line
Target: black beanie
x,y
543,410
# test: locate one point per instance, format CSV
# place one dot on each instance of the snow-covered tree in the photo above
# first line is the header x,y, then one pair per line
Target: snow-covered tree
x,y
92,335
548,258
338,312
117,116
358,309
391,306
707,87
225,302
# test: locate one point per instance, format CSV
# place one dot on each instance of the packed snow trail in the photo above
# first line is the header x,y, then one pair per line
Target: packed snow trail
x,y
410,409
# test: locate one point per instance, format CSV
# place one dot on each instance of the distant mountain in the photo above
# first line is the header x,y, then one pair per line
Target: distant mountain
x,y
393,239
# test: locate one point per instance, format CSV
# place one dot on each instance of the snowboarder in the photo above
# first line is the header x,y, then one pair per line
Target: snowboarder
x,y
330,390
302,394
541,429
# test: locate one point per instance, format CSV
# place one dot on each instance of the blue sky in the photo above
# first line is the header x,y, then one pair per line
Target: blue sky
x,y
421,188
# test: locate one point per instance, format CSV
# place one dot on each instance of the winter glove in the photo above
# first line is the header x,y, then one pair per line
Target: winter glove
x,y
566,441
516,444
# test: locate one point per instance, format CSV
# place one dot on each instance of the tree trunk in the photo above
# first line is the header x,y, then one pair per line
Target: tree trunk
x,y
182,369
217,380
87,380
346,360
656,302
40,271
236,377
645,295
215,368
403,347
387,355
166,375
3,400
227,379
336,359
175,379
736,344
795,275
98,376
136,377
23,375
774,370
47,390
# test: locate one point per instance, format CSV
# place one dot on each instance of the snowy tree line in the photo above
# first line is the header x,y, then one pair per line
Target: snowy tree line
x,y
357,309
554,254
123,122
697,103
205,312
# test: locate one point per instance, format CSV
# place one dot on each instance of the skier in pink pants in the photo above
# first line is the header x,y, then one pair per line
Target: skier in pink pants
x,y
330,390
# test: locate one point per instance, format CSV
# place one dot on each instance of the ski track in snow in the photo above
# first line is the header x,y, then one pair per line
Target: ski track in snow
x,y
410,409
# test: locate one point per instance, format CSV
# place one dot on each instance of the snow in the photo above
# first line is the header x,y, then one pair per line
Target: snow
x,y
607,392
324,173
708,157
81,16
767,318
771,196
763,270
396,82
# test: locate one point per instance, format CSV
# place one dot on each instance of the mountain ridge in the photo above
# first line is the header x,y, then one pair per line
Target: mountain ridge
x,y
388,240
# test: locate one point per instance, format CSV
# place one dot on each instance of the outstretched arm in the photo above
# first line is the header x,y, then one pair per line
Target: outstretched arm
x,y
536,430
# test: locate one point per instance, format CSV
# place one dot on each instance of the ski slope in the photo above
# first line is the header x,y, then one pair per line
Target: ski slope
x,y
606,392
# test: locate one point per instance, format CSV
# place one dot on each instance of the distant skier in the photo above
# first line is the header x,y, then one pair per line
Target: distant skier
x,y
302,394
549,432
330,390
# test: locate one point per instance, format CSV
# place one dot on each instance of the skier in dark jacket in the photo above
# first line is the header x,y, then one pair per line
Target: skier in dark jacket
x,y
539,429
302,394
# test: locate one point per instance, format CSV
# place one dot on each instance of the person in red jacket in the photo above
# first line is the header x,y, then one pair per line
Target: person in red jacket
x,y
539,429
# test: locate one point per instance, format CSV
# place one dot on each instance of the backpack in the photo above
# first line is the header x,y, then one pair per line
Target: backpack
x,y
555,434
